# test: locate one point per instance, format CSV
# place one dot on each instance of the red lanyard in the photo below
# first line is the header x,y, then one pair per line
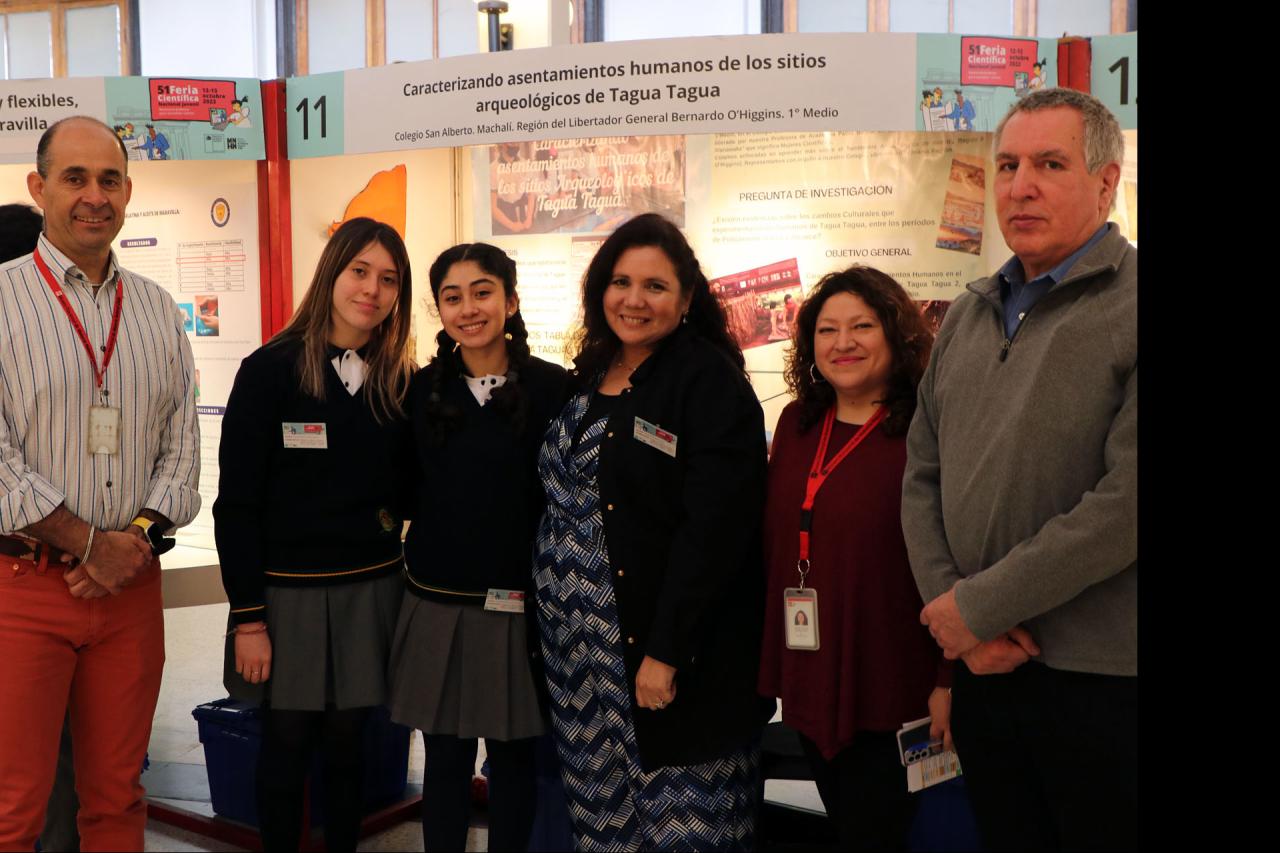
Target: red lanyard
x,y
110,348
818,474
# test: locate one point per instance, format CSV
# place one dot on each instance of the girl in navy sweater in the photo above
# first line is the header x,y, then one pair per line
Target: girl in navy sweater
x,y
307,524
462,666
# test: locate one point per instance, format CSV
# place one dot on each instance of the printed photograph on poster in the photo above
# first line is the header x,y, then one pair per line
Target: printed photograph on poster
x,y
963,207
934,311
592,185
188,316
761,304
207,320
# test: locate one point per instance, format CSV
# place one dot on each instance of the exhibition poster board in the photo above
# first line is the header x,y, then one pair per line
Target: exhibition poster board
x,y
585,137
767,214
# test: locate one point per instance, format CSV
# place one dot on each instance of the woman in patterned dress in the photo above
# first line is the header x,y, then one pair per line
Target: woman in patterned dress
x,y
648,569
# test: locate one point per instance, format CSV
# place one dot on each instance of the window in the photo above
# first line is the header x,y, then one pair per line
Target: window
x,y
200,38
65,38
1043,18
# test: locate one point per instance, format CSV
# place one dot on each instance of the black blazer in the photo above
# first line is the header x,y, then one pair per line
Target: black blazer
x,y
683,534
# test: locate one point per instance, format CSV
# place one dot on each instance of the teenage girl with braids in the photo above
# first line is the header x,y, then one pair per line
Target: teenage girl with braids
x,y
461,657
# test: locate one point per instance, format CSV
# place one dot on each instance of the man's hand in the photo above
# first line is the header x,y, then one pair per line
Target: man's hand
x,y
947,627
81,585
253,653
655,684
940,716
1004,654
117,559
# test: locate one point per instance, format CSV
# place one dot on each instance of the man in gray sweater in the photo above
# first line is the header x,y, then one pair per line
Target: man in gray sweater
x,y
1019,502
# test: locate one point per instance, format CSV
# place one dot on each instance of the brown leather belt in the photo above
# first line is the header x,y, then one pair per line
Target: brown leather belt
x,y
35,551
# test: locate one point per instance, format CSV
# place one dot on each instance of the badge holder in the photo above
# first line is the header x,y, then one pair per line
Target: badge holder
x,y
104,430
800,613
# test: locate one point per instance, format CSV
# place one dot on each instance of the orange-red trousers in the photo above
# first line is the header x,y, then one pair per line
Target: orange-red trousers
x,y
104,657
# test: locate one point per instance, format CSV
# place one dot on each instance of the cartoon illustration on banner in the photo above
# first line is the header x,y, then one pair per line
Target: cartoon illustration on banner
x,y
969,82
172,118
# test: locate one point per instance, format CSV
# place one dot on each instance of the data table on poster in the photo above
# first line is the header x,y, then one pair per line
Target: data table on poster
x,y
211,266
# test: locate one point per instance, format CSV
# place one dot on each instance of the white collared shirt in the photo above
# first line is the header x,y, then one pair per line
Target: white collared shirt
x,y
482,386
351,370
47,387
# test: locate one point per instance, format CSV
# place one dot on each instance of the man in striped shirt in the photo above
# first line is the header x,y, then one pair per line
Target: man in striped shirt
x,y
99,457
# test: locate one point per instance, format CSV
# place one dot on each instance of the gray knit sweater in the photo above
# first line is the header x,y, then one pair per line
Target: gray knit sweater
x,y
1021,481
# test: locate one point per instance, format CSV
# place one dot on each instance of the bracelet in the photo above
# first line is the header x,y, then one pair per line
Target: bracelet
x,y
88,545
236,630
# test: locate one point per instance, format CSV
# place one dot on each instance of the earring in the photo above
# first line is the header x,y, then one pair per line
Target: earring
x,y
456,345
684,318
814,375
507,336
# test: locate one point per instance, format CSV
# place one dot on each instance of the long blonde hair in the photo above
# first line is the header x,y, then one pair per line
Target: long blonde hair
x,y
389,365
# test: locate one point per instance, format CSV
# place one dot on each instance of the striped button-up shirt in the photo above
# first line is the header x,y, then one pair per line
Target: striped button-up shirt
x,y
47,388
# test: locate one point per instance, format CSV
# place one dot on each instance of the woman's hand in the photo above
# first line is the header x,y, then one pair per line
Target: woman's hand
x,y
655,684
940,711
253,652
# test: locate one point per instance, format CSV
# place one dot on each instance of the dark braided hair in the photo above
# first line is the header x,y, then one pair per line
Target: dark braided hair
x,y
509,400
906,330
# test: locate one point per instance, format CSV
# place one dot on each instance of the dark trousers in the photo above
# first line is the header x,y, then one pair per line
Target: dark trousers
x,y
446,792
1049,756
864,789
60,834
288,740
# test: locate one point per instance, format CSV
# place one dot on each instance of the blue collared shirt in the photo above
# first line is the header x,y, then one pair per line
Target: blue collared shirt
x,y
1019,295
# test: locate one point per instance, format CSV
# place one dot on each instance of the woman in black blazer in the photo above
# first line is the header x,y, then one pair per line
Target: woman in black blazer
x,y
647,572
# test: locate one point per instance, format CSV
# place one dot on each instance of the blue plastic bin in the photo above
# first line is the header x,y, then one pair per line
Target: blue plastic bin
x,y
232,734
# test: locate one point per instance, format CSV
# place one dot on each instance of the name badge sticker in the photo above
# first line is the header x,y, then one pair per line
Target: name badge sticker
x,y
505,600
305,436
655,436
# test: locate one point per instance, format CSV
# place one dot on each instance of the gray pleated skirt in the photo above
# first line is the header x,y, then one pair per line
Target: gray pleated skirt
x,y
462,670
329,646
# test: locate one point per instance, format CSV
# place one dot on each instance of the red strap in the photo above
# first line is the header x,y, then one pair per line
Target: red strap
x,y
56,287
819,472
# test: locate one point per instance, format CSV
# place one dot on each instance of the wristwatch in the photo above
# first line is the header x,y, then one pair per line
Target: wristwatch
x,y
155,536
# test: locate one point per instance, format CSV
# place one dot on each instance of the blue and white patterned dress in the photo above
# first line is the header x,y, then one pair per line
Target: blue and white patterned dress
x,y
614,804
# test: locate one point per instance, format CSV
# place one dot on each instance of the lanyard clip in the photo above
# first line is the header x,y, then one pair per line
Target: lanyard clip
x,y
802,566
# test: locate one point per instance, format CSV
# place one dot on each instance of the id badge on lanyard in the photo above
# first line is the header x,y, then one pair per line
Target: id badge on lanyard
x,y
800,603
104,420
